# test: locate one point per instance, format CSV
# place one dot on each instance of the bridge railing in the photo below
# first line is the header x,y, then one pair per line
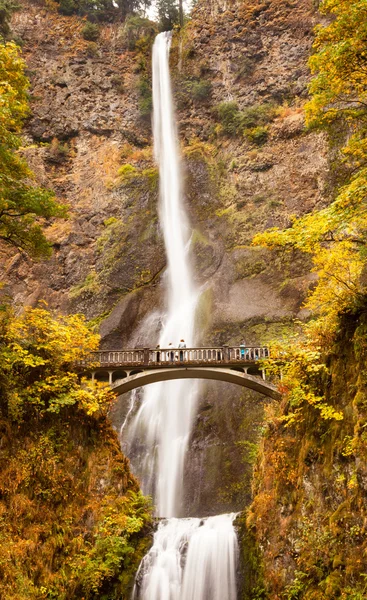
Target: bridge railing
x,y
158,356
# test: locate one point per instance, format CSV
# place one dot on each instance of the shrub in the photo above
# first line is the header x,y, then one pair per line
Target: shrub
x,y
127,172
257,135
137,29
92,50
260,114
7,8
90,32
67,7
58,152
201,90
145,100
89,287
229,116
249,121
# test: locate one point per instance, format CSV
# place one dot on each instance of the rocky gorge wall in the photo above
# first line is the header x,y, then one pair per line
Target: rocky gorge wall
x,y
89,138
308,515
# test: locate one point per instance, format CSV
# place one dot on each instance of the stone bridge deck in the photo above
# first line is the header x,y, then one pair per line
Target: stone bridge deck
x,y
126,370
222,356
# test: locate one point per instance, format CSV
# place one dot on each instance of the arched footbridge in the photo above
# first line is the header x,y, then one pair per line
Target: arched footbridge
x,y
126,370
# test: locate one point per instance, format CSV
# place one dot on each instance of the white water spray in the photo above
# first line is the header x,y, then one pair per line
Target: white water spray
x,y
165,417
191,559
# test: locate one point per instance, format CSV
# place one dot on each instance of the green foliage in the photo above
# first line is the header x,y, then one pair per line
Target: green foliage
x,y
90,32
200,89
249,121
127,172
168,14
112,548
68,7
89,287
145,97
229,116
22,205
138,30
100,10
299,366
317,431
111,225
7,8
339,88
295,590
257,135
92,50
73,523
192,89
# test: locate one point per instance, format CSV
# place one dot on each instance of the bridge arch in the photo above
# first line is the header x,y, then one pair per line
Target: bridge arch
x,y
118,374
142,378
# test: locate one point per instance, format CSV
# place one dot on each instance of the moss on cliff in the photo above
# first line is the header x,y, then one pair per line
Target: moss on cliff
x,y
309,509
73,523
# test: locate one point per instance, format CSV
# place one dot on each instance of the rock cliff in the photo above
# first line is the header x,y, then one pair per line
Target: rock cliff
x,y
240,77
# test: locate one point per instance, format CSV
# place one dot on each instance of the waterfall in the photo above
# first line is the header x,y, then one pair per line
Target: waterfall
x,y
165,416
191,559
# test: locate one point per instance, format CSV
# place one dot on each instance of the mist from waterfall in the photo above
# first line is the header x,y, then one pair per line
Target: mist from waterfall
x,y
165,416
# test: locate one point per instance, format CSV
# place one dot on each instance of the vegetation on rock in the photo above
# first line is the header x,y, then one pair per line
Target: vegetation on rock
x,y
310,479
22,204
90,31
250,122
138,31
336,235
72,520
101,10
7,7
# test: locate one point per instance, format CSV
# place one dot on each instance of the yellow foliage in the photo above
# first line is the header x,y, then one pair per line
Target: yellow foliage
x,y
38,355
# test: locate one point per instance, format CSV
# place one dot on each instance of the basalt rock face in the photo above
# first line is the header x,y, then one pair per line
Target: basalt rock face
x,y
85,118
87,122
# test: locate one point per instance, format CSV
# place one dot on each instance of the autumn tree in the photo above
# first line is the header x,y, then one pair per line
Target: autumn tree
x,y
38,353
336,236
23,204
83,514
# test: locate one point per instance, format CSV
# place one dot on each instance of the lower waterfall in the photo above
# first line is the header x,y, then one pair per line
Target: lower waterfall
x,y
191,559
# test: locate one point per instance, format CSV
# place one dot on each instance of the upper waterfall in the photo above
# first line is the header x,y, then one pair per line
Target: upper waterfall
x,y
181,294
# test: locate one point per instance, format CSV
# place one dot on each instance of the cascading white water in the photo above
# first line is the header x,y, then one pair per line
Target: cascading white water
x,y
191,559
165,416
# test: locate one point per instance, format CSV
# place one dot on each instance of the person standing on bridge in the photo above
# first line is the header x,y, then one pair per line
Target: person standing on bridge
x,y
158,353
242,350
182,344
171,355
